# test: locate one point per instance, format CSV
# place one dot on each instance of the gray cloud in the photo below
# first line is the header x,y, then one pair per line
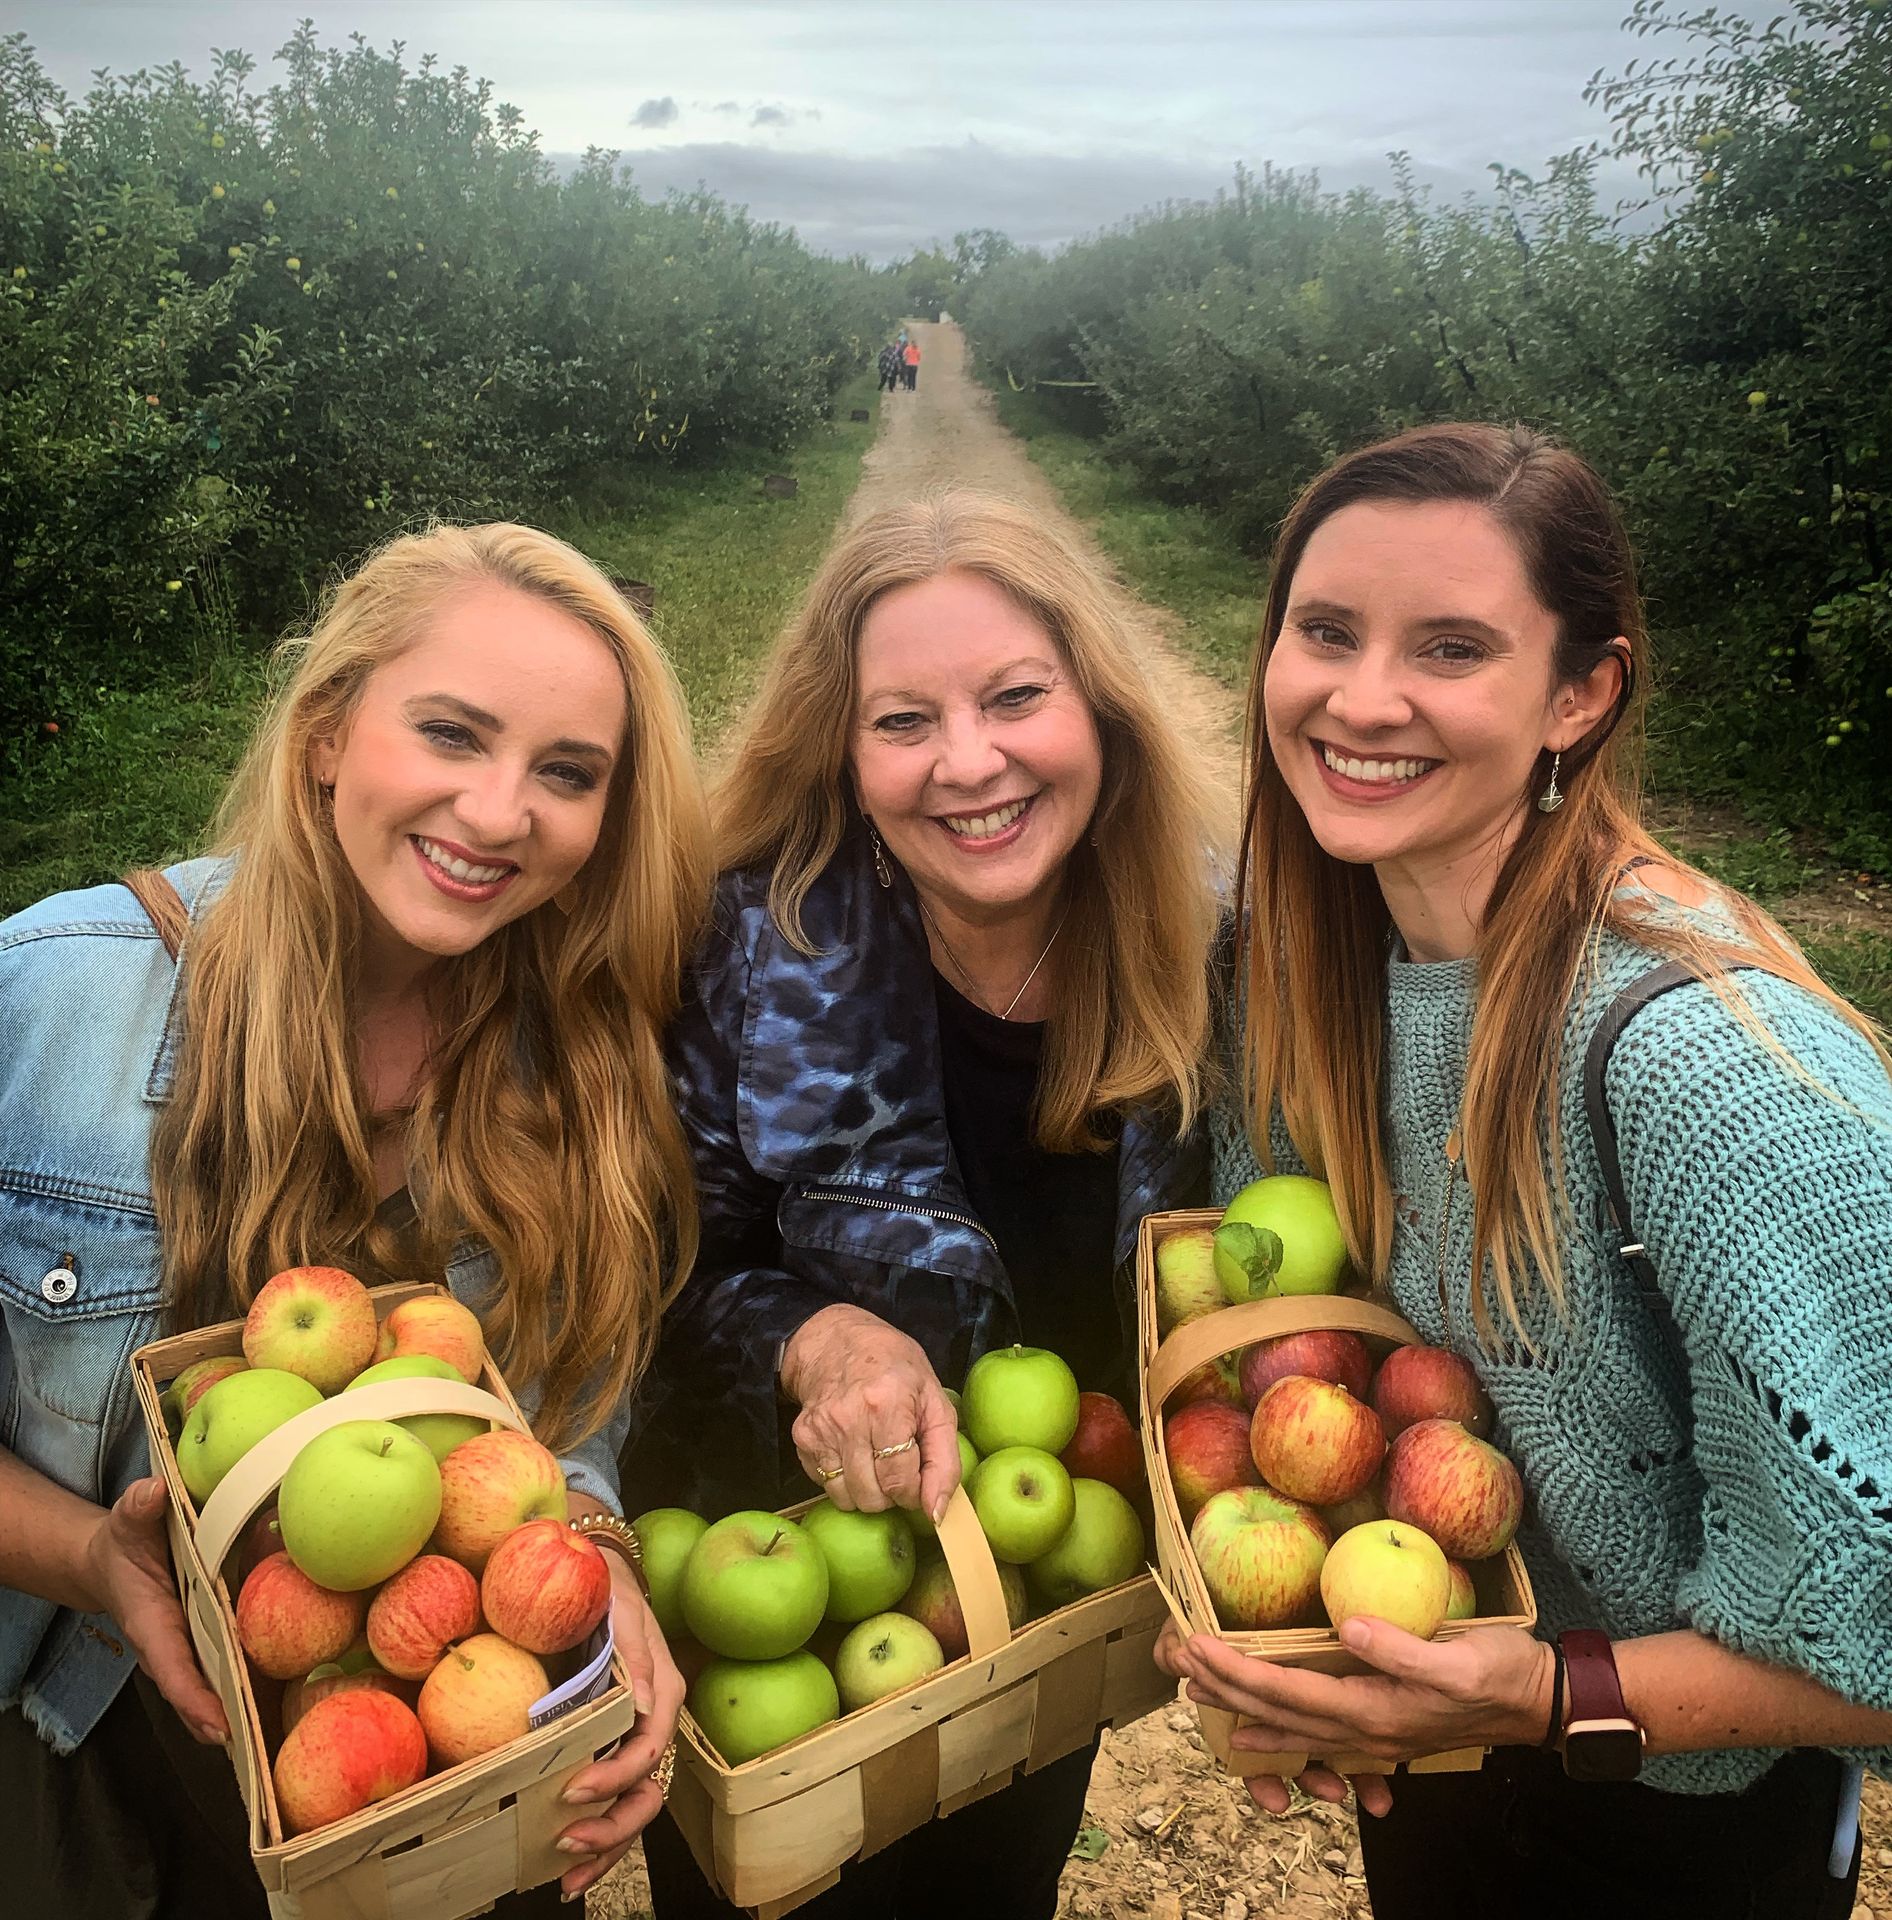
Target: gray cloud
x,y
770,117
655,113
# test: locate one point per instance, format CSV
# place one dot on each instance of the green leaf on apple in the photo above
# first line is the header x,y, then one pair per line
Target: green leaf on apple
x,y
1256,1251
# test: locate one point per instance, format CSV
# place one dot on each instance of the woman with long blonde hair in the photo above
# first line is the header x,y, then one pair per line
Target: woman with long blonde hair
x,y
1669,1273
406,1019
940,1053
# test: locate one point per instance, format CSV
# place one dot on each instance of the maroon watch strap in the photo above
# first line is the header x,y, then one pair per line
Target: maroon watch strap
x,y
1601,1741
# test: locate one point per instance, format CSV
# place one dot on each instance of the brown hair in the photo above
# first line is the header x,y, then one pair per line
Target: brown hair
x,y
1315,930
547,1129
1130,1013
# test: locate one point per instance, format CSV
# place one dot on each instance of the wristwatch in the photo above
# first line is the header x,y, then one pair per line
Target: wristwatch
x,y
1600,1740
607,1530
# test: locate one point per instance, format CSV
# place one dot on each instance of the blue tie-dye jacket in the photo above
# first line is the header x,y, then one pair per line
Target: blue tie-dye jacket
x,y
810,1089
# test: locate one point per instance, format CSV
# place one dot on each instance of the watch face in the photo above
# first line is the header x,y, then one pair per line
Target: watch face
x,y
1604,1753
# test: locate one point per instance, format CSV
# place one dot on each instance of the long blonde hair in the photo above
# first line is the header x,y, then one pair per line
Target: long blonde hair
x,y
1130,1007
546,1129
1316,929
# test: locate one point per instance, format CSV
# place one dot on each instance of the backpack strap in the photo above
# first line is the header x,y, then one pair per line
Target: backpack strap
x,y
153,891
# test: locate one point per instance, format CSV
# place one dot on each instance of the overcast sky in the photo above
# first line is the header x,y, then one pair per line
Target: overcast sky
x,y
881,127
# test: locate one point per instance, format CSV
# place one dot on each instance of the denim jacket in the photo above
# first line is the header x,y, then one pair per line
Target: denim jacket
x,y
810,1088
89,1030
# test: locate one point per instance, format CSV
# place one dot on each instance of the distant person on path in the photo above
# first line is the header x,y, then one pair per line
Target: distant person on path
x,y
911,358
890,367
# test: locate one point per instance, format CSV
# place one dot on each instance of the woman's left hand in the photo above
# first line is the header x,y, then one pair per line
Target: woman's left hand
x,y
1488,1687
624,1778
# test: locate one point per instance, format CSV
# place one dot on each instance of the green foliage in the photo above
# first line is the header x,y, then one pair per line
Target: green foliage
x,y
1724,356
244,335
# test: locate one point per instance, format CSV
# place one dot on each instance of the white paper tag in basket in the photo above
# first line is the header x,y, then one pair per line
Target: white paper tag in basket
x,y
585,1686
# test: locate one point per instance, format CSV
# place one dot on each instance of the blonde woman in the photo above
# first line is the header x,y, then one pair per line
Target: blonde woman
x,y
414,1030
1454,889
940,1054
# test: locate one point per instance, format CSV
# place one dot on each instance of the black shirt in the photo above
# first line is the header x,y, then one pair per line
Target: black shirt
x,y
1052,1215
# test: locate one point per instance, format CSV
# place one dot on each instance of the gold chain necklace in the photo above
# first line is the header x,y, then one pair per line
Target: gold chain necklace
x,y
965,972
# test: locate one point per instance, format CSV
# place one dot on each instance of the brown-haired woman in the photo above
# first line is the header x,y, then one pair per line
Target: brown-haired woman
x,y
1447,887
941,1053
415,1031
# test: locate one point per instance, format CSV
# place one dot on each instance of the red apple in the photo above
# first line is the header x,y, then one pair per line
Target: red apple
x,y
1454,1486
479,1697
300,1695
261,1538
1217,1380
317,1322
1260,1556
288,1624
489,1485
1186,1286
1105,1446
545,1587
345,1753
1314,1441
420,1613
1364,1506
1322,1353
194,1382
932,1601
1207,1448
1463,1604
438,1325
1428,1383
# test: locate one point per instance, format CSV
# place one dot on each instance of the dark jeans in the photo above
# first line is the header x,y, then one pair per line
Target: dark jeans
x,y
998,1859
141,1823
1519,1837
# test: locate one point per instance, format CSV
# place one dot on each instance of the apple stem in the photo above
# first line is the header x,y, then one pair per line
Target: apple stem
x,y
387,1445
775,1540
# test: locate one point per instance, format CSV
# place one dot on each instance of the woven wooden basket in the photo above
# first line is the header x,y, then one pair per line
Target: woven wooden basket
x,y
776,1831
451,1844
1503,1586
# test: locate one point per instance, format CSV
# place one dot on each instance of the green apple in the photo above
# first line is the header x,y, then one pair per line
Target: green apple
x,y
882,1655
193,1383
870,1558
952,1399
1102,1547
1390,1571
1024,1501
667,1535
751,1707
231,1417
441,1432
1020,1397
754,1587
921,1521
1186,1283
1280,1235
358,1503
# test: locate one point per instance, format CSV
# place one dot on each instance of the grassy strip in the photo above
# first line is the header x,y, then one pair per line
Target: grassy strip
x,y
1181,559
1177,558
134,778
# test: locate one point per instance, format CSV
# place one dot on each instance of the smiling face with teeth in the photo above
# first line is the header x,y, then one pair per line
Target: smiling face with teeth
x,y
1410,695
974,754
469,784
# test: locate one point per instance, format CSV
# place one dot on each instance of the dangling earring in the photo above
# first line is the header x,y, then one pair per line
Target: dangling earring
x,y
1550,799
882,871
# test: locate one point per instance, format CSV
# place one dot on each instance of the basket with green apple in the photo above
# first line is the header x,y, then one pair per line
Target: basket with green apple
x,y
855,1675
1309,1457
411,1647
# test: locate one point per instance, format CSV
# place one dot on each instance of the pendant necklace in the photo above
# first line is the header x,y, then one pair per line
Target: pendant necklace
x,y
965,972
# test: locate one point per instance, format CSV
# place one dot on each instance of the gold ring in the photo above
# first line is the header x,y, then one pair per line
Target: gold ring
x,y
825,1474
666,1771
906,1446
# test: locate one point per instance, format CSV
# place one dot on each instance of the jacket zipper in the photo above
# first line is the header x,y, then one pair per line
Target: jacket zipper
x,y
901,1206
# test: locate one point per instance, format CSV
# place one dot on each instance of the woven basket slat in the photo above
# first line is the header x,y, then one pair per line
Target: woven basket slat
x,y
770,1854
1070,1704
986,1741
899,1789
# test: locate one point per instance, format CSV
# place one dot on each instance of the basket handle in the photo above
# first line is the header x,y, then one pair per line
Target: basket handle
x,y
1227,1328
975,1578
259,1473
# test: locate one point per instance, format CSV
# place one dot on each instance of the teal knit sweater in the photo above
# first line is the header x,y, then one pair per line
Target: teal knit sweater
x,y
1766,1206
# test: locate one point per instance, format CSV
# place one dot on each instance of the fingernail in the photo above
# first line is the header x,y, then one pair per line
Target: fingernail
x,y
569,1845
576,1796
642,1702
939,1508
1354,1634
